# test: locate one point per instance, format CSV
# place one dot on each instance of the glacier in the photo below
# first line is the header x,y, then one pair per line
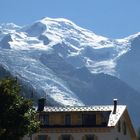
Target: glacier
x,y
70,65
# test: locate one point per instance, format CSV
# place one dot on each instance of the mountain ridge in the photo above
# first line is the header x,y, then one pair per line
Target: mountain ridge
x,y
66,63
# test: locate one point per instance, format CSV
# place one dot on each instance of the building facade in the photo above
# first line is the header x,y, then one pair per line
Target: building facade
x,y
85,123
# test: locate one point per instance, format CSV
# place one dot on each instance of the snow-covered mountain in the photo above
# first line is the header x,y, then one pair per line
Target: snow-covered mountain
x,y
69,65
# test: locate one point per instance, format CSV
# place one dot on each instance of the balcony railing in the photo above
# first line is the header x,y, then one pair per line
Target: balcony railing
x,y
73,126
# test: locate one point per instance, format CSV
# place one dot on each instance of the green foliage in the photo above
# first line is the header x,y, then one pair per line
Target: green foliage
x,y
17,116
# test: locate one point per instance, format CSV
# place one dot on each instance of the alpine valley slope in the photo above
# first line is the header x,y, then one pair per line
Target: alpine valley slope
x,y
69,65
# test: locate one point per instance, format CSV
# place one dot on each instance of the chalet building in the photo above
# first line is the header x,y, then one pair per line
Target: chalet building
x,y
109,122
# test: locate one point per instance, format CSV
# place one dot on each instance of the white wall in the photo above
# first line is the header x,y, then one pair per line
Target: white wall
x,y
100,136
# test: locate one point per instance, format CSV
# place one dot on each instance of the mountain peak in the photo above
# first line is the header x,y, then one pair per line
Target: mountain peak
x,y
47,19
65,63
77,45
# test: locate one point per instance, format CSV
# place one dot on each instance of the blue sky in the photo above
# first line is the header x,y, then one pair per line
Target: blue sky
x,y
110,18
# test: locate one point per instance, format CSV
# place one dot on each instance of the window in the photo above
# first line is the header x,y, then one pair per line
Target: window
x,y
67,119
79,119
89,137
42,137
105,117
119,126
65,137
44,119
124,128
88,119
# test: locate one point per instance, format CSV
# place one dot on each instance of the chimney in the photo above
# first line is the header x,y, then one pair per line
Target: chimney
x,y
115,105
41,104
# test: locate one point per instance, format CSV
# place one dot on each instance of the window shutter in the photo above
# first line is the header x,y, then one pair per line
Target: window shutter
x,y
95,137
124,128
59,138
36,137
71,137
79,119
62,119
84,138
48,138
51,120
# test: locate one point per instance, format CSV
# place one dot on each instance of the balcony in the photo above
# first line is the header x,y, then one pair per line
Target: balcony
x,y
74,126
